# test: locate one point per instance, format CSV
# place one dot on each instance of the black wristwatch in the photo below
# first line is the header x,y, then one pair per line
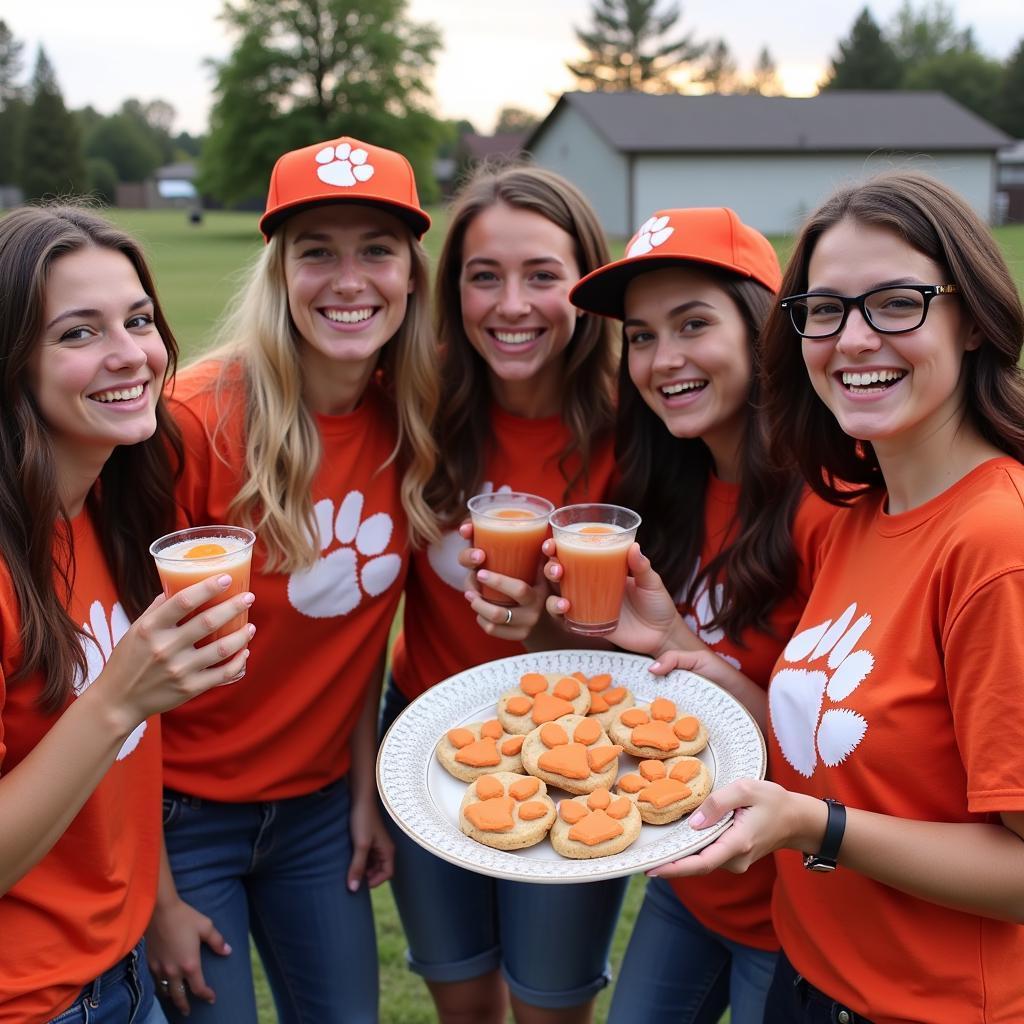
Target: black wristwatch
x,y
825,859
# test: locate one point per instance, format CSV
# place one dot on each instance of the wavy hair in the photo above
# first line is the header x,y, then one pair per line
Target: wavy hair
x,y
461,426
934,220
133,499
665,478
282,443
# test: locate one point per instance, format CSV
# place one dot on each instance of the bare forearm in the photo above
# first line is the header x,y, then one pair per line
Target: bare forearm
x,y
40,797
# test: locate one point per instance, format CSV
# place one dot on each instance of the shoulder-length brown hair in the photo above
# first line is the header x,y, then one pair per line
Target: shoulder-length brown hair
x,y
939,224
461,426
665,478
133,500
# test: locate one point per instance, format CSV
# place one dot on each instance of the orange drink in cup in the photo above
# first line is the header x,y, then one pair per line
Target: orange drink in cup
x,y
509,527
593,542
190,556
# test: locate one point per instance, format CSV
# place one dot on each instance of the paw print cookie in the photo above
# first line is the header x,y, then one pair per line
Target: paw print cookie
x,y
480,748
666,790
660,731
606,701
573,753
597,825
507,811
541,698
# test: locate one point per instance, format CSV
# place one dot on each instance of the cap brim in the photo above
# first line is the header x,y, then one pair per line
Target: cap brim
x,y
603,291
417,221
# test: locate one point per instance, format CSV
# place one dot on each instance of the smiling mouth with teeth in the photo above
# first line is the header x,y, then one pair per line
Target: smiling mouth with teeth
x,y
873,380
348,316
119,394
683,387
516,337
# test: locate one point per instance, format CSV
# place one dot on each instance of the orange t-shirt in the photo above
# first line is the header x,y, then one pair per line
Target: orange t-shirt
x,y
738,906
440,635
88,901
283,729
901,694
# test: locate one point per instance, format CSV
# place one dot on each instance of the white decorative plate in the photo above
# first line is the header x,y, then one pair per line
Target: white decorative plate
x,y
424,799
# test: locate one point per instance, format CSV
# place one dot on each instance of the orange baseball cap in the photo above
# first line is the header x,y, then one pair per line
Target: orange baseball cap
x,y
711,235
342,170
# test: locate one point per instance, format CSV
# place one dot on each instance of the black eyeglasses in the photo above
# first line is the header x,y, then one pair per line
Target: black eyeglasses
x,y
892,310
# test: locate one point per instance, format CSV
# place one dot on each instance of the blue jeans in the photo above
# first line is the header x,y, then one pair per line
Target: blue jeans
x,y
792,1000
550,941
677,971
277,869
122,995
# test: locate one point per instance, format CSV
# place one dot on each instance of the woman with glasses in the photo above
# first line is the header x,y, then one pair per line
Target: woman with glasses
x,y
896,718
732,539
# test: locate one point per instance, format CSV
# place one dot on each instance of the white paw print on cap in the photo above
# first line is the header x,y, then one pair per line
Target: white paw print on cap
x,y
342,165
653,232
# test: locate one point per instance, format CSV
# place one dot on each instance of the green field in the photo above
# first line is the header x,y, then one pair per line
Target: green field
x,y
196,269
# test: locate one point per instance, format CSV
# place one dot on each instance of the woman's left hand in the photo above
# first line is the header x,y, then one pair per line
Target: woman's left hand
x,y
763,822
373,852
507,623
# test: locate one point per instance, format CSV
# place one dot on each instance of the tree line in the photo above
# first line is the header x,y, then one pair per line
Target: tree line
x,y
313,69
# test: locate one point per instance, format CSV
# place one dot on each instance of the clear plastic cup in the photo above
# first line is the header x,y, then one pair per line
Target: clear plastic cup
x,y
592,543
190,556
510,527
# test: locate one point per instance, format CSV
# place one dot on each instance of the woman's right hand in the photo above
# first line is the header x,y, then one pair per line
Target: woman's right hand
x,y
648,616
156,665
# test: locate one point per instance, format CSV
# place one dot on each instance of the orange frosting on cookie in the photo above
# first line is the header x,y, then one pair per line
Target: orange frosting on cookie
x,y
651,770
634,717
518,705
460,737
663,792
524,788
567,689
655,734
601,757
489,787
479,754
546,708
512,745
571,811
552,735
619,807
599,799
533,683
632,783
568,760
662,709
616,695
687,728
596,827
494,815
492,729
532,810
684,771
588,731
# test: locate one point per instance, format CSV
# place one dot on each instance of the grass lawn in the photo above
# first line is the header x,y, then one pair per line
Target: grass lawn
x,y
197,269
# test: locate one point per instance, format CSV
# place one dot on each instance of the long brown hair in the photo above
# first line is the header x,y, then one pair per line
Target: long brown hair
x,y
133,500
665,478
461,426
939,224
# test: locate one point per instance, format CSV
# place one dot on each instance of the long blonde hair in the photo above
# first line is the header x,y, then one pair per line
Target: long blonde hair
x,y
282,443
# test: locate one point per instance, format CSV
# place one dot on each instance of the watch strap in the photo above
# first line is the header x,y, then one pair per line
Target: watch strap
x,y
835,826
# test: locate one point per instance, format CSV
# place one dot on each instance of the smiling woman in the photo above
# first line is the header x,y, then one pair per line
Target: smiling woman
x,y
85,445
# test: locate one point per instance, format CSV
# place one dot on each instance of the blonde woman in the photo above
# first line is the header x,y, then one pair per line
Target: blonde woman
x,y
301,426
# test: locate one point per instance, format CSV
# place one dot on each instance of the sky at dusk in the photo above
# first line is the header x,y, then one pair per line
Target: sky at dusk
x,y
496,52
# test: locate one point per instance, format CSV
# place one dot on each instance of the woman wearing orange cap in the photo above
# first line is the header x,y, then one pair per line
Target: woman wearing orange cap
x,y
731,538
893,364
86,479
526,405
300,425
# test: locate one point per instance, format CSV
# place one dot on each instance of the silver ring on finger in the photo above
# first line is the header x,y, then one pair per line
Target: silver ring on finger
x,y
508,617
164,985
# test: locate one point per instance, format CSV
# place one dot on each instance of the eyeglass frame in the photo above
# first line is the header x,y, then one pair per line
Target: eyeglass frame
x,y
926,291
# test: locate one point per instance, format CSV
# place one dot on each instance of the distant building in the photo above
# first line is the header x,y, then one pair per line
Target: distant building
x,y
773,159
1010,184
170,187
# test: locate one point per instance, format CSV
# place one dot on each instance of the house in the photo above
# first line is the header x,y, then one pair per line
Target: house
x,y
1010,185
773,159
170,187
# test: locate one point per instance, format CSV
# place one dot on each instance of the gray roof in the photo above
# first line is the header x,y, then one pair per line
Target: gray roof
x,y
634,122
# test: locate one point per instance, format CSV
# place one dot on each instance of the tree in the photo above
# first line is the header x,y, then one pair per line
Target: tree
x,y
515,119
1010,114
626,48
918,36
866,60
51,154
12,105
967,76
306,70
720,71
122,141
765,80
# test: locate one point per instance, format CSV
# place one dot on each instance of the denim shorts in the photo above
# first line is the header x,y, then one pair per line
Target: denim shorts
x,y
122,995
551,942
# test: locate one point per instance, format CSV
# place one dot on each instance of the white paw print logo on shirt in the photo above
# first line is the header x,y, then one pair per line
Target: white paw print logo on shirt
x,y
443,555
103,631
339,580
703,610
342,165
797,696
653,232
